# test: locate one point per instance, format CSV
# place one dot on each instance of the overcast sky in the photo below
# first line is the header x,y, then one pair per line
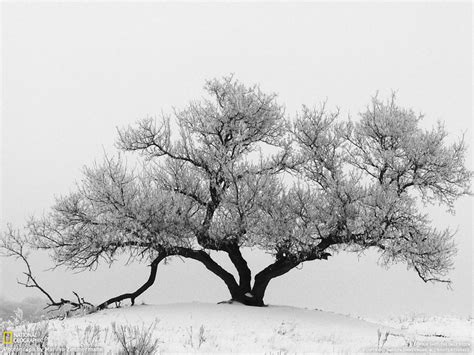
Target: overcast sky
x,y
72,73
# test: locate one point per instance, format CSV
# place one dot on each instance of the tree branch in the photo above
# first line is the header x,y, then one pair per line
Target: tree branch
x,y
13,244
133,295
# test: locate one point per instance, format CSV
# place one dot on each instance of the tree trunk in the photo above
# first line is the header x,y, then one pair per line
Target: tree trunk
x,y
245,275
263,278
248,299
254,297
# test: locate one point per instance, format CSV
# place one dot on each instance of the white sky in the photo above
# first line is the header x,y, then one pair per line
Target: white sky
x,y
74,72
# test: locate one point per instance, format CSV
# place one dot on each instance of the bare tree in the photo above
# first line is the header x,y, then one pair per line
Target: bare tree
x,y
232,172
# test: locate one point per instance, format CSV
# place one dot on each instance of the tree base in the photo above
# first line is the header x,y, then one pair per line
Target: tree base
x,y
247,301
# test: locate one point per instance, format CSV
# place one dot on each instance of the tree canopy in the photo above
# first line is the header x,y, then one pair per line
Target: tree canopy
x,y
235,171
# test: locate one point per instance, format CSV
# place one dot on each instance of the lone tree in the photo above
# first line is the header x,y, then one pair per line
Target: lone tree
x,y
232,171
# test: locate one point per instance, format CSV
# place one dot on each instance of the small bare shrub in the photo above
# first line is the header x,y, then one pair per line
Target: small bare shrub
x,y
189,340
18,317
89,337
200,337
382,336
41,332
136,340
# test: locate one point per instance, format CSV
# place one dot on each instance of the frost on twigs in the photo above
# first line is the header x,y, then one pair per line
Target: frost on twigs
x,y
234,171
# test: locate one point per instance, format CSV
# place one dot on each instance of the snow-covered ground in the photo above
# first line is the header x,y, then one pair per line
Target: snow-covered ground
x,y
199,327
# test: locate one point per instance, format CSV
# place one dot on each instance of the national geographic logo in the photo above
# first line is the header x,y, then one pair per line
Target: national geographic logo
x,y
21,339
25,343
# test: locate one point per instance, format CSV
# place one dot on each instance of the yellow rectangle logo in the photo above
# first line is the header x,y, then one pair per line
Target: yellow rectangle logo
x,y
7,338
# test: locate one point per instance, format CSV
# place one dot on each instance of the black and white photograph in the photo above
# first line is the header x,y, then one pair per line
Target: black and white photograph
x,y
253,177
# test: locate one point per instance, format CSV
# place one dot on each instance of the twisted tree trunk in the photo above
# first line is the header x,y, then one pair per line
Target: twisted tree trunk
x,y
242,291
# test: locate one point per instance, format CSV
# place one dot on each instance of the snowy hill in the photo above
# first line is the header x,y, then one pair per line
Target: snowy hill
x,y
198,327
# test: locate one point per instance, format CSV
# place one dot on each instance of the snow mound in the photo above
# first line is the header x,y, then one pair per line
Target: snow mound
x,y
229,328
233,328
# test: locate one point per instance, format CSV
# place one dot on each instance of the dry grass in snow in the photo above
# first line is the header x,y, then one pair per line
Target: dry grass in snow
x,y
198,327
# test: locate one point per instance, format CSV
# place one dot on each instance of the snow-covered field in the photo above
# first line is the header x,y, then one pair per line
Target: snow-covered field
x,y
198,327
